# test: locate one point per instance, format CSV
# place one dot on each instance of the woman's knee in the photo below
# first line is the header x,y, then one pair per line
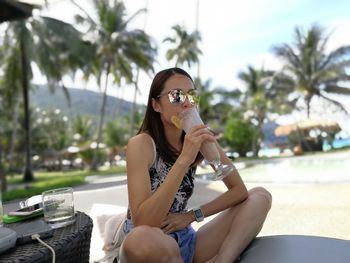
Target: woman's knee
x,y
144,243
263,194
137,243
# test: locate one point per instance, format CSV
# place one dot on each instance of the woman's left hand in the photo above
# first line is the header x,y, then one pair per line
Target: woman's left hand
x,y
175,221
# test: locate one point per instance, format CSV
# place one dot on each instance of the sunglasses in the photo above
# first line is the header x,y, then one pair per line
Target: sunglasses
x,y
178,96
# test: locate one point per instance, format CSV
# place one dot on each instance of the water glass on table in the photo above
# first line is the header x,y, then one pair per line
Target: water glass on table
x,y
189,118
58,207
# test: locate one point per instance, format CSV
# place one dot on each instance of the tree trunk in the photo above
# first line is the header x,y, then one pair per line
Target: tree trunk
x,y
28,174
133,110
94,163
2,173
13,136
308,101
258,137
197,26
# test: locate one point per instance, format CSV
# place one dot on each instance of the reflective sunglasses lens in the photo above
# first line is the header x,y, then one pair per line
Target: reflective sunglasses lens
x,y
176,97
193,97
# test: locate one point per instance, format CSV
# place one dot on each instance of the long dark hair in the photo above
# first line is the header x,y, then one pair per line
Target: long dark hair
x,y
152,123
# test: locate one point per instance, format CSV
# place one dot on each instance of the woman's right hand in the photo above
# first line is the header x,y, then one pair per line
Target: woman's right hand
x,y
193,141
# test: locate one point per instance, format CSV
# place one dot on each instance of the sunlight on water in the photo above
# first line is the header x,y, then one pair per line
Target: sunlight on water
x,y
300,170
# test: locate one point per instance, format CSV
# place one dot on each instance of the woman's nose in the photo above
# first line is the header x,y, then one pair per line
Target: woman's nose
x,y
186,103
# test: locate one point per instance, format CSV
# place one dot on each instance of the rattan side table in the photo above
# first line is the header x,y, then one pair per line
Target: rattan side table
x,y
71,244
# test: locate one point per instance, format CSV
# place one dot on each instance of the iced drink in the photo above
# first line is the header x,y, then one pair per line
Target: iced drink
x,y
189,118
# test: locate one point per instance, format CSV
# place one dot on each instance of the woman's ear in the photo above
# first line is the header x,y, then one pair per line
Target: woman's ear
x,y
155,105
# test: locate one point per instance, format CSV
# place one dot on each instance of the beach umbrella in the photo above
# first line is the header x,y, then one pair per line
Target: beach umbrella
x,y
323,125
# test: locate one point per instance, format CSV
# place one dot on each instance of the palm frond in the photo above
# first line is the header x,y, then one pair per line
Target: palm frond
x,y
80,18
335,57
336,103
337,89
287,53
133,16
185,46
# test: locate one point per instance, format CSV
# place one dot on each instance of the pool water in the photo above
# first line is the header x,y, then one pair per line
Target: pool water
x,y
317,168
338,143
307,169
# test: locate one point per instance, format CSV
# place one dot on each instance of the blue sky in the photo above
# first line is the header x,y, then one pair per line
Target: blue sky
x,y
234,33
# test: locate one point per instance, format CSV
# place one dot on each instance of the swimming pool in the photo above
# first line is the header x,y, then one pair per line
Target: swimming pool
x,y
332,168
316,168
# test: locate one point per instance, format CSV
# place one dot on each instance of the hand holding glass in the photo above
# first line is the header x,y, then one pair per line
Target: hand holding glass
x,y
189,118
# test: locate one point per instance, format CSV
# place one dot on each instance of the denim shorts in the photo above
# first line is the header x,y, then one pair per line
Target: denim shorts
x,y
185,238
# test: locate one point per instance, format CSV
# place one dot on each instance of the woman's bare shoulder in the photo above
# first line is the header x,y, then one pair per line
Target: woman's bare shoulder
x,y
141,147
142,139
141,144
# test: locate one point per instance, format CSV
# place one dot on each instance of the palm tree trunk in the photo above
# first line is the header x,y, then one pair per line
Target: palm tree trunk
x,y
94,163
2,173
197,29
13,136
308,101
28,174
255,147
133,110
132,114
257,140
258,136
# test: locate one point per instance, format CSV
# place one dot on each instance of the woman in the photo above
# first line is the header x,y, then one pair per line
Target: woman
x,y
161,163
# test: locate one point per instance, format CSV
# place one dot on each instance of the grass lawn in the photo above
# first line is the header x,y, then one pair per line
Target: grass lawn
x,y
49,180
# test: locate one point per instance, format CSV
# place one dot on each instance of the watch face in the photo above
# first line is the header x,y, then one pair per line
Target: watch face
x,y
198,213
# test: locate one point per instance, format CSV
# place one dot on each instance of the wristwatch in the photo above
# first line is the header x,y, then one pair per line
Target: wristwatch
x,y
198,214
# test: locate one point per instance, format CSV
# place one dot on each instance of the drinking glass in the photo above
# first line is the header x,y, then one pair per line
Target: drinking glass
x,y
188,119
58,207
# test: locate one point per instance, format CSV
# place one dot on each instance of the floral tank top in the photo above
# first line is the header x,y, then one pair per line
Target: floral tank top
x,y
158,173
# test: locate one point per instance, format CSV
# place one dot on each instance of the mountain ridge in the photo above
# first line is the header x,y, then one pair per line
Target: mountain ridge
x,y
82,102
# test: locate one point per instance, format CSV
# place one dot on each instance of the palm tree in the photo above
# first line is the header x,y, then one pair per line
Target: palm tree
x,y
2,131
2,170
185,46
82,128
206,99
9,127
41,40
313,71
118,50
263,95
116,133
133,112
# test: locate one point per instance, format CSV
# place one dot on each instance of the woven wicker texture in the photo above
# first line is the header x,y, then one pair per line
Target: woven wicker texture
x,y
71,244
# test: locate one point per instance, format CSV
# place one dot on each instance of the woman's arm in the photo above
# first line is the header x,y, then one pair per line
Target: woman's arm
x,y
147,208
236,193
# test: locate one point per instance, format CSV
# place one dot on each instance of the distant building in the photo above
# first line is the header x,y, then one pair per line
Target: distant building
x,y
270,139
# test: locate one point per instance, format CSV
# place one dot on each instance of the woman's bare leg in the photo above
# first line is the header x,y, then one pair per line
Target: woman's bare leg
x,y
227,235
149,244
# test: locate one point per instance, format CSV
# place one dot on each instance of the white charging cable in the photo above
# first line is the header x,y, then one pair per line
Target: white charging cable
x,y
37,237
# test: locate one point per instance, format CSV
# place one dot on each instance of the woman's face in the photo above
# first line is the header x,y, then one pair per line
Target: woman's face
x,y
163,104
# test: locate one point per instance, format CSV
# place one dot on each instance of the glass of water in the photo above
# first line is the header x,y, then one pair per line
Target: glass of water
x,y
58,207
